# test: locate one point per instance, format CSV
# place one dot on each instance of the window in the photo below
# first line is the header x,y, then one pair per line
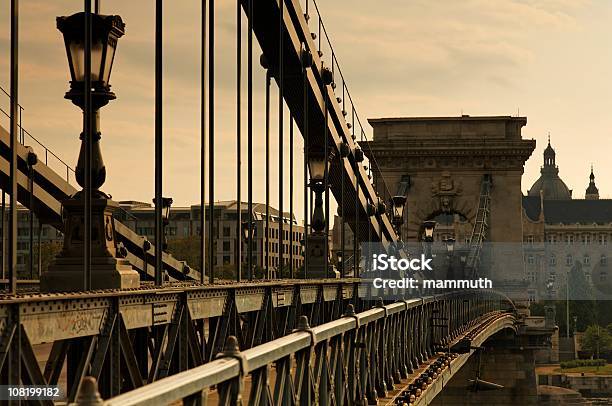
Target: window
x,y
226,259
569,239
226,246
586,259
603,261
530,259
586,239
226,231
552,239
530,239
552,260
569,260
603,239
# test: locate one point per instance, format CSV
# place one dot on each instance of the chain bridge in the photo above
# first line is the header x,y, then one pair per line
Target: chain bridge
x,y
117,320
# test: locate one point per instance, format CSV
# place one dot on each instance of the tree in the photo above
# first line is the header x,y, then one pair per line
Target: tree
x,y
48,251
596,339
186,249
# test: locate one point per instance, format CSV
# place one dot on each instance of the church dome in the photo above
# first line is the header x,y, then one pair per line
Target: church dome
x,y
549,182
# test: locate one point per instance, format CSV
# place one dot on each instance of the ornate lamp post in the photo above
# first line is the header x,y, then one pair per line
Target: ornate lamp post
x,y
106,31
340,261
166,204
450,245
247,237
450,250
428,231
398,203
317,162
107,270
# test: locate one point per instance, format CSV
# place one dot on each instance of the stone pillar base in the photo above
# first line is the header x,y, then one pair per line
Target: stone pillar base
x,y
316,258
66,272
66,275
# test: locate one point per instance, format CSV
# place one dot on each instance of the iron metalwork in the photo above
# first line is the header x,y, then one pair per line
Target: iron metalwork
x,y
158,139
14,103
357,358
250,134
203,66
281,129
211,140
238,248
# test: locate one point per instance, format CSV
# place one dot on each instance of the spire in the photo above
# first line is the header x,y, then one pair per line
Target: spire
x,y
549,155
592,193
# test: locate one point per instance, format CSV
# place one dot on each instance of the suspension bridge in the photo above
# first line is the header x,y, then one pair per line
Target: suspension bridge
x,y
133,336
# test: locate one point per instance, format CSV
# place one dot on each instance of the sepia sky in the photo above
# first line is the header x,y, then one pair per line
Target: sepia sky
x,y
549,60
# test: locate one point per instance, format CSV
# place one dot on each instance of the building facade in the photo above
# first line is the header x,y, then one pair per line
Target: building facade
x,y
563,234
37,243
184,223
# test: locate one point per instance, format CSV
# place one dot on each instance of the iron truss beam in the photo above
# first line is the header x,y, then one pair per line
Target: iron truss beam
x,y
126,339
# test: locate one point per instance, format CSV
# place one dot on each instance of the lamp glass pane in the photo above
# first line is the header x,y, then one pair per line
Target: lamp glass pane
x,y
317,169
77,56
77,52
108,61
96,60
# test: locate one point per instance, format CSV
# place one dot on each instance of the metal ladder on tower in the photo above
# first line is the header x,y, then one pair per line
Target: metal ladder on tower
x,y
481,226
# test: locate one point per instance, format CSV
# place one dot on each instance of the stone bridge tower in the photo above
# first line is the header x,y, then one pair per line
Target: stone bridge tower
x,y
442,161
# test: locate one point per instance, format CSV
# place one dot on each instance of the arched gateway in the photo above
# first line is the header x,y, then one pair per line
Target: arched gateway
x,y
443,161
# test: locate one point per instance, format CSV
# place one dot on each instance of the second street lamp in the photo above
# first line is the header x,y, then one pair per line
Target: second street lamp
x,y
317,164
398,204
247,237
428,232
166,204
450,245
428,228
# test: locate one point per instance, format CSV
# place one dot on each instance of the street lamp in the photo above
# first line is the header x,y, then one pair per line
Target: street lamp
x,y
106,31
398,203
450,245
450,249
108,269
165,204
247,236
429,227
317,240
428,231
340,261
317,163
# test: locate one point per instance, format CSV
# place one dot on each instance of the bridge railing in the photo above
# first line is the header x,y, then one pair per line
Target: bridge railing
x,y
50,158
359,357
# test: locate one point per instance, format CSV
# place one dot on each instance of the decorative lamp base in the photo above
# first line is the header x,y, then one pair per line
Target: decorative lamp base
x,y
316,258
66,272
